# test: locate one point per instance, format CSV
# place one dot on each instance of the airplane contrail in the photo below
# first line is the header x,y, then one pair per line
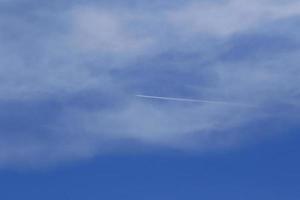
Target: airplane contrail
x,y
191,100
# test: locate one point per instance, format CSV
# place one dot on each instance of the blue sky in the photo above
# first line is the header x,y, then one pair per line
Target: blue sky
x,y
72,127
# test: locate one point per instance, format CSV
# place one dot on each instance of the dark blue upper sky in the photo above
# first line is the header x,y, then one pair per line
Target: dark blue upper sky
x,y
72,127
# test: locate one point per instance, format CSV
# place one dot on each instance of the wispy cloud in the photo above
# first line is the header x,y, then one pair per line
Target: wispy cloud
x,y
69,76
224,18
106,32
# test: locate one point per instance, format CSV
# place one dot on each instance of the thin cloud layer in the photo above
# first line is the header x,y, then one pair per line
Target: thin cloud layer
x,y
224,18
69,77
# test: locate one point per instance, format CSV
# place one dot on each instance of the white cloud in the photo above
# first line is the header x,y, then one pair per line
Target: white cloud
x,y
229,17
106,32
97,40
35,65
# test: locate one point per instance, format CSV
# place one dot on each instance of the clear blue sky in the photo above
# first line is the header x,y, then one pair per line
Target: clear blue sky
x,y
72,127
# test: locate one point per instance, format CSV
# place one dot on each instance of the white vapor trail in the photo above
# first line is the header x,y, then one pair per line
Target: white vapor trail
x,y
191,100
